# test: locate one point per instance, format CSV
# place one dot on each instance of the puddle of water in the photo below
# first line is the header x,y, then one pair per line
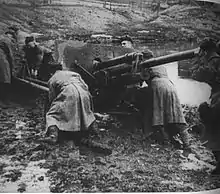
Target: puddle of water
x,y
181,183
33,177
195,164
190,91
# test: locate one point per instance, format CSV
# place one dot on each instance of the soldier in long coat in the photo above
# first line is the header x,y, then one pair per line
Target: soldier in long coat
x,y
6,63
209,113
70,105
166,114
38,58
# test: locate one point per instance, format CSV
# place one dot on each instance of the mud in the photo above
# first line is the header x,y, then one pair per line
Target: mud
x,y
20,177
135,165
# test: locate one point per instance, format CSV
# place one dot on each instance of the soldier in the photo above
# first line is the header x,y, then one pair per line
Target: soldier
x,y
6,62
70,105
33,55
207,69
44,69
37,58
209,113
166,114
96,62
127,42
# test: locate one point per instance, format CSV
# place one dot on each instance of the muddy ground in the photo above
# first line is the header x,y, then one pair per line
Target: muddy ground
x,y
135,165
29,165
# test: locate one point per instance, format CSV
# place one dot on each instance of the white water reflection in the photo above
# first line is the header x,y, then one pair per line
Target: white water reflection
x,y
190,91
29,181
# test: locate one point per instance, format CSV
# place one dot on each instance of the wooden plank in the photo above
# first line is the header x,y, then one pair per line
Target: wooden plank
x,y
36,81
42,88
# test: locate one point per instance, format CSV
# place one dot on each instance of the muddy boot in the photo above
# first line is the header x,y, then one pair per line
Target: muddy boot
x,y
165,136
176,144
93,129
70,144
185,138
52,135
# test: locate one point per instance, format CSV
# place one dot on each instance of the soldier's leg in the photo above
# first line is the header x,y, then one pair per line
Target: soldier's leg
x,y
184,135
180,129
52,134
4,92
161,135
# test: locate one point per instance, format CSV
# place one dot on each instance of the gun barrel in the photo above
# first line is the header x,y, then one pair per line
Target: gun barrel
x,y
123,68
115,61
170,58
36,81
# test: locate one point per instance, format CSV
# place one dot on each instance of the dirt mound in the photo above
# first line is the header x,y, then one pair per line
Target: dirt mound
x,y
15,15
178,22
56,19
190,22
